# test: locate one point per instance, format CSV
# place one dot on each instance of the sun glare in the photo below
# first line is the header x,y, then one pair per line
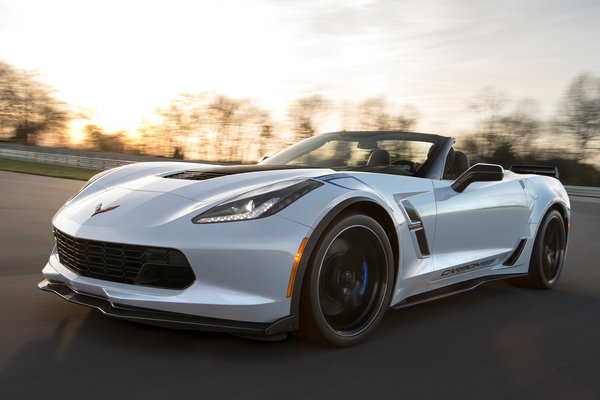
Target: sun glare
x,y
76,133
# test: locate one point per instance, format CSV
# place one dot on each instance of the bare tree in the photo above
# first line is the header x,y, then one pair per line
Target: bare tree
x,y
373,115
8,94
99,140
489,105
208,126
239,124
184,119
27,107
257,132
266,135
580,113
304,115
406,119
505,130
377,114
347,112
223,115
518,128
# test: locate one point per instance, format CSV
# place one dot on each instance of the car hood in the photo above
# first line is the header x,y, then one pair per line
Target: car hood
x,y
209,183
158,195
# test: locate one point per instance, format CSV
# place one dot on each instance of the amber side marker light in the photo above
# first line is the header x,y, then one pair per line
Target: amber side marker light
x,y
295,266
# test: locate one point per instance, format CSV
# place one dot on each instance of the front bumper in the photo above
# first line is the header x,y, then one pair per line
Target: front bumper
x,y
242,269
169,319
201,299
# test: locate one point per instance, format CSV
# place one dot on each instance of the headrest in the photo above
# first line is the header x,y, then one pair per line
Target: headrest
x,y
379,157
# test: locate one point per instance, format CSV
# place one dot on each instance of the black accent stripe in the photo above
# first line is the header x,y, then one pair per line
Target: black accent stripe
x,y
516,254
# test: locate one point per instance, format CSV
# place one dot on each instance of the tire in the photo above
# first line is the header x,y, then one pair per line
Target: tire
x,y
548,254
349,282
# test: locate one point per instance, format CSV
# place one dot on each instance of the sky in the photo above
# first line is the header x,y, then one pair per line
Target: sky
x,y
122,59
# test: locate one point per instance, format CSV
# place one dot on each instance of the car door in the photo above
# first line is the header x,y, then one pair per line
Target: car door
x,y
477,229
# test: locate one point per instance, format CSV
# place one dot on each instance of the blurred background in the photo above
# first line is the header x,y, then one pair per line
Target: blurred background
x,y
515,82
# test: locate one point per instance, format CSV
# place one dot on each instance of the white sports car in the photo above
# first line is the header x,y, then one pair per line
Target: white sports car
x,y
320,239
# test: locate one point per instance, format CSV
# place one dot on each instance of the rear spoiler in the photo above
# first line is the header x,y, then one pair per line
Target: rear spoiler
x,y
535,169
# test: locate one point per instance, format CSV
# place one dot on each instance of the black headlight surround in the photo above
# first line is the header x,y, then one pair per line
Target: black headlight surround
x,y
284,197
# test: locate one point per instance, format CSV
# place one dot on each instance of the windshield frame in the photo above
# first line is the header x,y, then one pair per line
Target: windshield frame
x,y
432,168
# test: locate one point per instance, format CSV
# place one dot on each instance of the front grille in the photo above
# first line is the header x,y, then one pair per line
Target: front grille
x,y
124,263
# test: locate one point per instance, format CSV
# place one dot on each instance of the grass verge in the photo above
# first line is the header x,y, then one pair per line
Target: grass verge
x,y
57,171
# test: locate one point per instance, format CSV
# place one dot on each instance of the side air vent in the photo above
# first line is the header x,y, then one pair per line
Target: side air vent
x,y
416,225
516,254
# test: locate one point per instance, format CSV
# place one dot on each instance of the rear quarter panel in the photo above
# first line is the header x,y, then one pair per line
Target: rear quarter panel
x,y
543,193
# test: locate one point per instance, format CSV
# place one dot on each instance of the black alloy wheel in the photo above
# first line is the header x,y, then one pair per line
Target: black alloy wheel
x,y
350,278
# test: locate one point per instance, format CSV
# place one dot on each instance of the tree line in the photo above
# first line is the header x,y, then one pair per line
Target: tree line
x,y
215,127
28,108
509,132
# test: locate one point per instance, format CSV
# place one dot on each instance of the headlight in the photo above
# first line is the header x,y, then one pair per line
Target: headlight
x,y
258,203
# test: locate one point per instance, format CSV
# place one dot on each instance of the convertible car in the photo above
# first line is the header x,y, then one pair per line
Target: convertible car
x,y
319,239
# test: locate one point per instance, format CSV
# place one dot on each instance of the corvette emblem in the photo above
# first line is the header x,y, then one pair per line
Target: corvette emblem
x,y
100,210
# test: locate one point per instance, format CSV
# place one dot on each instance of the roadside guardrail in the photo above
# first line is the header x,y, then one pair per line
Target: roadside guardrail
x,y
586,191
67,160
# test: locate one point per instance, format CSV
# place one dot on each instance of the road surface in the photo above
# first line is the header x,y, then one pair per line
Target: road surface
x,y
498,341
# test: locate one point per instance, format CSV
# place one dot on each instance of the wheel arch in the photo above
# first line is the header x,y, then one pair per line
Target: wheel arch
x,y
562,209
360,204
563,212
548,194
535,277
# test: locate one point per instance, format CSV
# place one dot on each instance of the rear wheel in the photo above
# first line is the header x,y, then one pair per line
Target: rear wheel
x,y
548,253
349,282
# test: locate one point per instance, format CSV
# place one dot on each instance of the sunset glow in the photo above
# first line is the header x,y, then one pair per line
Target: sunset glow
x,y
121,60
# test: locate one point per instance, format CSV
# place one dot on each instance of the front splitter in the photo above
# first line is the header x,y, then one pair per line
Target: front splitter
x,y
172,320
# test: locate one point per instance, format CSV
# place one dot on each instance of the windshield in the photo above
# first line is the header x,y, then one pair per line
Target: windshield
x,y
390,152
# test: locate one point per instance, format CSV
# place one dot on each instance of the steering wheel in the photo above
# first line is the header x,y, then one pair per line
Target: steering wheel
x,y
408,163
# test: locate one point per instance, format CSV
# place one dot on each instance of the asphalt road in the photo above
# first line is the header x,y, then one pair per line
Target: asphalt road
x,y
498,341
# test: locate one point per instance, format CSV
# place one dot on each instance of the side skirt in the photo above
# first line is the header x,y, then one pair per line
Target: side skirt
x,y
450,290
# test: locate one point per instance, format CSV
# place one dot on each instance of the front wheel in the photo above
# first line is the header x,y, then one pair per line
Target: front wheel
x,y
548,253
349,282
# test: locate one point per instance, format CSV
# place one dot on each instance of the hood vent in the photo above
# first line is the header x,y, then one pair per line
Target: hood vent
x,y
201,175
195,175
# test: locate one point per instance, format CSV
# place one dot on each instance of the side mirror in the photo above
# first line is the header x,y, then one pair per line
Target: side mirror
x,y
263,158
478,173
